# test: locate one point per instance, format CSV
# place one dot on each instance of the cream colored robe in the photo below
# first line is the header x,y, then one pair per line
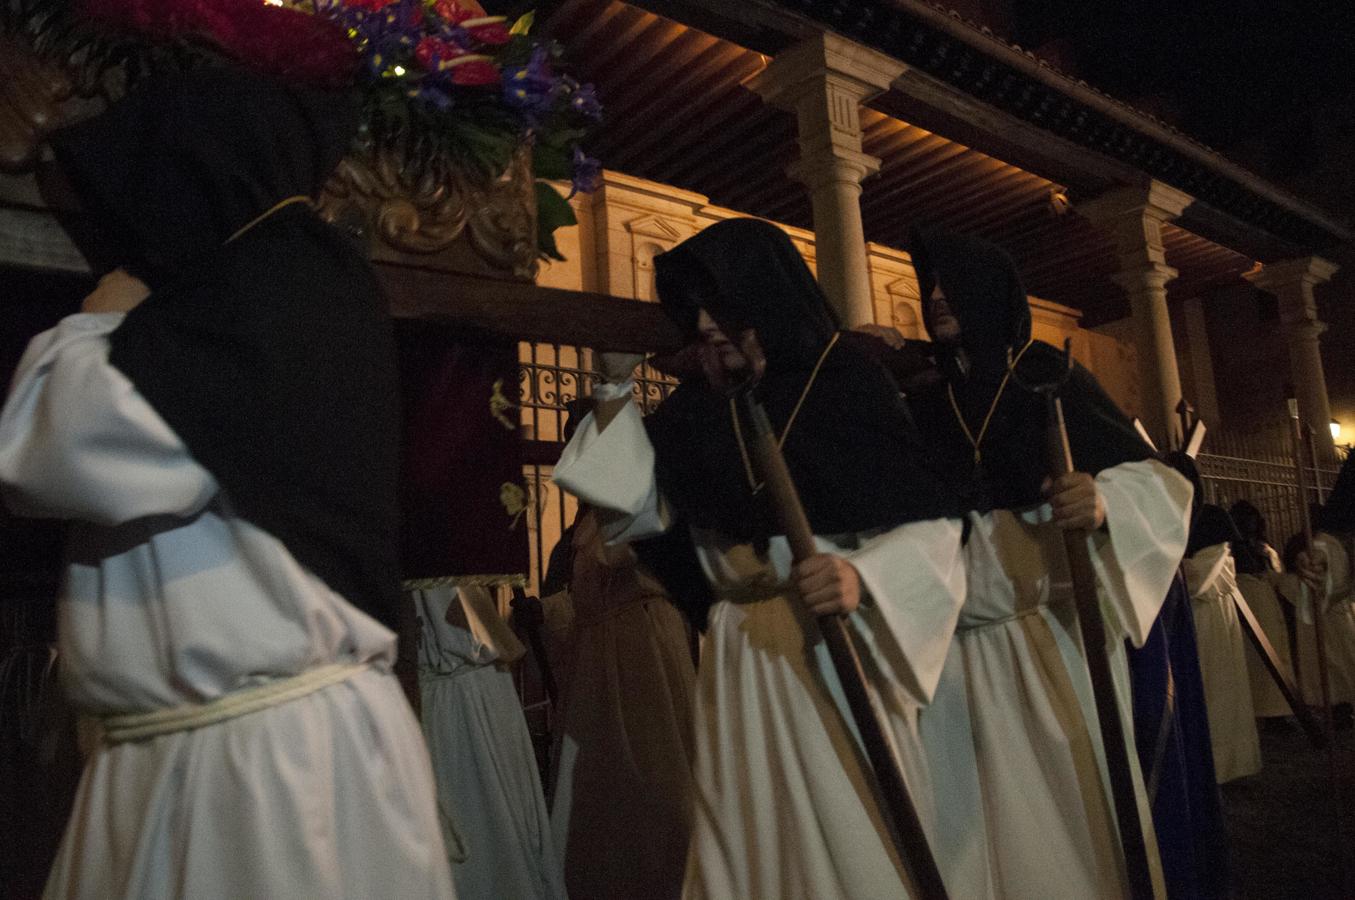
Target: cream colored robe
x,y
782,805
1212,580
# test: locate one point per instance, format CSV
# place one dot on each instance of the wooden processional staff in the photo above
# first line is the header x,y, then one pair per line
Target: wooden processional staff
x,y
896,805
1251,626
1343,850
1092,627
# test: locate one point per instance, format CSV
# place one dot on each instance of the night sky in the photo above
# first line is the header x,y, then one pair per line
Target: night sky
x,y
1270,84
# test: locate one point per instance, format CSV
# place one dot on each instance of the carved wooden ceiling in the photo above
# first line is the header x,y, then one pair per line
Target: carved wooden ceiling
x,y
677,113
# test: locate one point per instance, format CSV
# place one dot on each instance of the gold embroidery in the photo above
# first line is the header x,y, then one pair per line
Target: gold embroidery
x,y
975,442
753,483
282,204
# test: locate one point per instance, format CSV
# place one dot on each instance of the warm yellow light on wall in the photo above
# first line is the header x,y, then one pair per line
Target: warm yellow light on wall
x,y
1335,430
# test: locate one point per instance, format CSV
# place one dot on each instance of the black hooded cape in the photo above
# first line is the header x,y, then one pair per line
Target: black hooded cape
x,y
853,452
1250,551
270,355
985,294
1337,515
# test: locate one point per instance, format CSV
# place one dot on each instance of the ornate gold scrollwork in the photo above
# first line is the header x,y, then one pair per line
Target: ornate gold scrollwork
x,y
424,215
462,222
31,97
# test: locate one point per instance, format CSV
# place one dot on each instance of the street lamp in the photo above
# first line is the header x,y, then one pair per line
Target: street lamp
x,y
1335,430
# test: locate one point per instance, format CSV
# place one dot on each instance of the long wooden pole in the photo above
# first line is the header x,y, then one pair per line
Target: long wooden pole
x,y
1319,632
1092,627
896,805
1319,638
1317,735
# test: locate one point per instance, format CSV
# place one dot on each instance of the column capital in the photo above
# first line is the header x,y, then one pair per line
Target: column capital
x,y
824,80
1292,282
850,67
1287,274
1154,200
1304,330
820,167
1146,276
1133,216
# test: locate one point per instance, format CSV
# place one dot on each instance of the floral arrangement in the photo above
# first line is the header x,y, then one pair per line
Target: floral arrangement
x,y
443,86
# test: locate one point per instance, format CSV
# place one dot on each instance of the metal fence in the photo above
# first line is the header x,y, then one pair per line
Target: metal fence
x,y
1259,466
552,375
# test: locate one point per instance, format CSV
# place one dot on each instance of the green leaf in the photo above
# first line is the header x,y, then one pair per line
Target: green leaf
x,y
552,212
552,162
524,23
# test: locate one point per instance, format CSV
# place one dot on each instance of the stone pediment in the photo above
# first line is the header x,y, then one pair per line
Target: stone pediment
x,y
656,227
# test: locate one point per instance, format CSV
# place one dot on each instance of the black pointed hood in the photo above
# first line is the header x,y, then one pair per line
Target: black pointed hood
x,y
1337,515
982,287
174,169
853,452
747,274
270,354
985,293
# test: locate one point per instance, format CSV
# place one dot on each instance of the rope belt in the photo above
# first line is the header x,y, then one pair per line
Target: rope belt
x,y
1004,620
119,729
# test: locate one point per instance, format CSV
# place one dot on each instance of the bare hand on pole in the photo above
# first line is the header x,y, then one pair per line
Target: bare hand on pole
x,y
1076,502
1312,568
828,585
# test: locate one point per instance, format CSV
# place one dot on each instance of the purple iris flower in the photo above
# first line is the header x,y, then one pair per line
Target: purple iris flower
x,y
587,171
530,88
585,102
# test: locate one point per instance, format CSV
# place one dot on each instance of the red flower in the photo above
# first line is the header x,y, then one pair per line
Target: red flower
x,y
431,51
475,73
454,12
277,40
490,33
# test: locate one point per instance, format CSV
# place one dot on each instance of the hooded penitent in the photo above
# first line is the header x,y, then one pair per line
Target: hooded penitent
x,y
1250,552
1337,515
852,451
264,343
985,294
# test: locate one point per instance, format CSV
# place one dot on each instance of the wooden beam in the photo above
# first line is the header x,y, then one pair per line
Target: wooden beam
x,y
526,311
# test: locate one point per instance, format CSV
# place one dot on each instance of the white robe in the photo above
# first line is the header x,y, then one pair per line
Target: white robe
x,y
1259,592
169,599
1338,625
782,805
1022,787
482,752
1212,580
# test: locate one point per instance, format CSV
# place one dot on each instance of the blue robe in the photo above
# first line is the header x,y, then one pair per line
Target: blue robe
x,y
1187,814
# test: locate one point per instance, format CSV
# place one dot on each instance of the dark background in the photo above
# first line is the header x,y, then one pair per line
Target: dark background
x,y
1268,83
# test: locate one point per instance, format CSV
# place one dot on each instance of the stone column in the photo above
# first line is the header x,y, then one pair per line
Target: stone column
x,y
824,81
1133,216
1292,282
1199,362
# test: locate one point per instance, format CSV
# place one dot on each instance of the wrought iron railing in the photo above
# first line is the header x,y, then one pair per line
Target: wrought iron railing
x,y
1258,466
